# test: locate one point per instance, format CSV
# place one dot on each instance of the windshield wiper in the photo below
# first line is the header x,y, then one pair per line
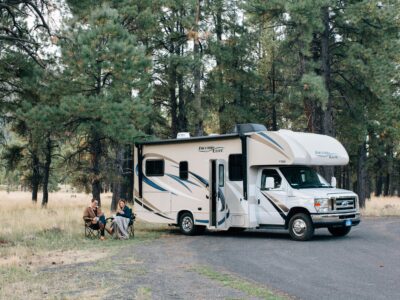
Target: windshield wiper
x,y
311,186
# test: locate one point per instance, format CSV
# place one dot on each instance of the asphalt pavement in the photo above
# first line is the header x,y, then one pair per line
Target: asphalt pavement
x,y
363,265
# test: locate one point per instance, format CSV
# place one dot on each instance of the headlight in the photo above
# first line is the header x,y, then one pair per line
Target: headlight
x,y
321,204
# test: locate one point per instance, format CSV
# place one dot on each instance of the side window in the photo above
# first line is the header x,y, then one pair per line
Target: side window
x,y
183,170
221,175
155,167
270,173
235,167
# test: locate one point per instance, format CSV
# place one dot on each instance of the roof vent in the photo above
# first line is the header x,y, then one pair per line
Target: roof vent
x,y
249,127
183,135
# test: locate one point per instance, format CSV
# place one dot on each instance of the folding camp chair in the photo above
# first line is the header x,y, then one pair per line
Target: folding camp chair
x,y
131,225
90,232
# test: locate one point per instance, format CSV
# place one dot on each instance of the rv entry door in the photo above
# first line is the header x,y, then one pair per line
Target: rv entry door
x,y
218,206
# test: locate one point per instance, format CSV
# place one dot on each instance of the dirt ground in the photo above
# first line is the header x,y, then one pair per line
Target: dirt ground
x,y
156,269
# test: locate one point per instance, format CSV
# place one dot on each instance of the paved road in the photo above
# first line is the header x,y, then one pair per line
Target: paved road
x,y
363,265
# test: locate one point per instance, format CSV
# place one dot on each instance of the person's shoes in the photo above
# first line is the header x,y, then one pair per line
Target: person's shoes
x,y
102,238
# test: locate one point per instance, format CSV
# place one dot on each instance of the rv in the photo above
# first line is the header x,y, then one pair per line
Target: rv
x,y
249,179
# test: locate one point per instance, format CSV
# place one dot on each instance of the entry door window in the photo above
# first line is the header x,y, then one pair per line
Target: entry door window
x,y
271,173
221,177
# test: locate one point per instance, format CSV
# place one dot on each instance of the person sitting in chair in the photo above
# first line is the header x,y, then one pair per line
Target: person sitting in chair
x,y
94,217
121,220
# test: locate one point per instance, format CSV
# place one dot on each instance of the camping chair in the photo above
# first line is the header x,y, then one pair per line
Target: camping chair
x,y
131,225
90,232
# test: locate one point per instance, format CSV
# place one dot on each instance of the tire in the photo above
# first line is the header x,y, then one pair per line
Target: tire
x,y
186,224
339,231
301,227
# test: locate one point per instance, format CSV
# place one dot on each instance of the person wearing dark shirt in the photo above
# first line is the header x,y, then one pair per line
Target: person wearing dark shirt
x,y
124,210
121,220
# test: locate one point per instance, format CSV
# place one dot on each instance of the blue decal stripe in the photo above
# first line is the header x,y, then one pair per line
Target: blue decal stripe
x,y
153,184
151,210
149,182
201,179
202,221
270,139
179,180
222,221
191,182
186,180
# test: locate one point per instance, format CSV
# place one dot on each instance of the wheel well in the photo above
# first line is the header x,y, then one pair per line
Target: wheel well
x,y
293,211
181,213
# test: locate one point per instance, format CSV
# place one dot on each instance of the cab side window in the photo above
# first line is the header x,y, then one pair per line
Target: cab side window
x,y
270,173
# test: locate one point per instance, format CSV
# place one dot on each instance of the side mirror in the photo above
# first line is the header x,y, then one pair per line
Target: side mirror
x,y
333,181
270,183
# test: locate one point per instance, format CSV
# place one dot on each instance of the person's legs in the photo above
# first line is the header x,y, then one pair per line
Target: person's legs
x,y
101,227
94,226
102,221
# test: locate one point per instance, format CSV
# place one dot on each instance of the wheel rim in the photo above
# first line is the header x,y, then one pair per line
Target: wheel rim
x,y
187,224
299,227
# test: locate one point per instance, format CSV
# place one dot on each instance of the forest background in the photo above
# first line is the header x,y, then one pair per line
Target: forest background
x,y
82,81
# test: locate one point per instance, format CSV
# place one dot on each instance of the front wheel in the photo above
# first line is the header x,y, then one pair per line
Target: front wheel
x,y
186,224
301,227
339,231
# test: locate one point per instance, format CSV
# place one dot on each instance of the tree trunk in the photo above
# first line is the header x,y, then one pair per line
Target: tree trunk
x,y
182,118
197,53
117,184
116,188
95,153
273,90
129,171
362,174
378,184
219,32
46,171
172,100
328,127
35,182
387,184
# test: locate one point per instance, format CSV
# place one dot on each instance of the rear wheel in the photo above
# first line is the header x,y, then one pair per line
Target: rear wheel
x,y
339,231
301,227
186,224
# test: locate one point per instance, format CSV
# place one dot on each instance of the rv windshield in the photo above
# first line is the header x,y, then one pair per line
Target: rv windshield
x,y
300,177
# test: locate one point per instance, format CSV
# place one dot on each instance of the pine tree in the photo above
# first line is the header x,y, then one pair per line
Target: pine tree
x,y
106,71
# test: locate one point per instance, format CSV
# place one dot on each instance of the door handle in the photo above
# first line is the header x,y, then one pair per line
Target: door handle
x,y
207,197
258,201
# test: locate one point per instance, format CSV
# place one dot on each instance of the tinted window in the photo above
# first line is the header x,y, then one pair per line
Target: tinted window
x,y
221,175
183,170
235,167
155,167
270,173
300,177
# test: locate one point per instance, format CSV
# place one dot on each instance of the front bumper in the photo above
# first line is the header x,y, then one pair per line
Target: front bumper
x,y
335,219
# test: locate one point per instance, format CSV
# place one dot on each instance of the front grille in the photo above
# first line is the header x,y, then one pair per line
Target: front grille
x,y
344,203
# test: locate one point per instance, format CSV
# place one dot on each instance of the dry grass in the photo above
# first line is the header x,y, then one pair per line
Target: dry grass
x,y
33,239
382,207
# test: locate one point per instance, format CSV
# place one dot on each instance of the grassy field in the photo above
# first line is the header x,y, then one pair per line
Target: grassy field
x,y
382,207
33,239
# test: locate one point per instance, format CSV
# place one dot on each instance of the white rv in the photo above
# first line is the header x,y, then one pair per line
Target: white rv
x,y
249,179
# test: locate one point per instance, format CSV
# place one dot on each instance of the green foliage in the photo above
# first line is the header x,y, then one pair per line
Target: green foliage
x,y
314,87
142,68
